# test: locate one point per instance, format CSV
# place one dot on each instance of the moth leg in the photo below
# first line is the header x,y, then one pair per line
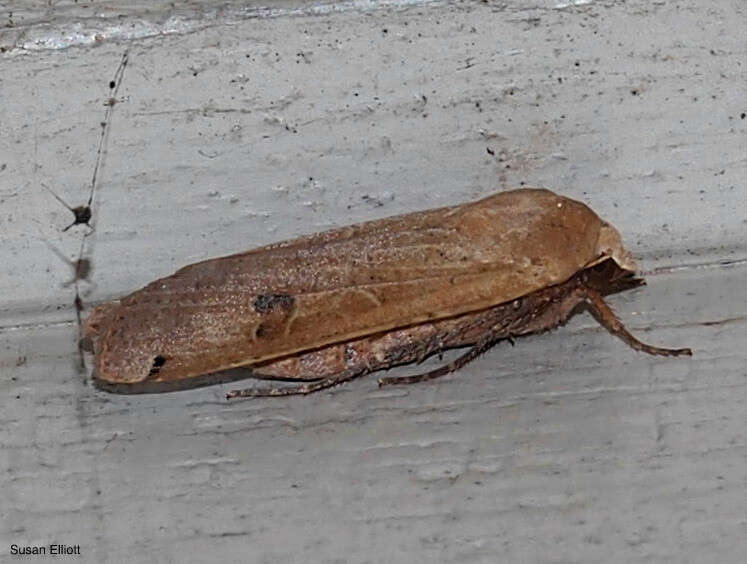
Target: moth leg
x,y
485,344
265,376
607,319
499,330
491,336
303,389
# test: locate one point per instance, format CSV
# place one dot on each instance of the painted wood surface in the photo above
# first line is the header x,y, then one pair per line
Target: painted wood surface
x,y
242,125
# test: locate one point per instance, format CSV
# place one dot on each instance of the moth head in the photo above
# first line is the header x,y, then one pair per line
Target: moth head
x,y
609,245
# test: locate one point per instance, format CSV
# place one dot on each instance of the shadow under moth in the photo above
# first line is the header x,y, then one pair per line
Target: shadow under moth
x,y
329,307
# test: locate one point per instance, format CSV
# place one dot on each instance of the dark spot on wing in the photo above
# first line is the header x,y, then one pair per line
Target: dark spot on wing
x,y
269,302
266,331
158,362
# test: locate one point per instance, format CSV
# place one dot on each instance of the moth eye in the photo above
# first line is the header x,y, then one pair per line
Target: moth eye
x,y
516,304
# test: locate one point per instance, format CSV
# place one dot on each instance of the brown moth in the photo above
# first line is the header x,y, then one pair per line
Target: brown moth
x,y
330,307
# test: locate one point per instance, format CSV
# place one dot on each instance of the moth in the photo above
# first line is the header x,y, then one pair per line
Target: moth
x,y
330,307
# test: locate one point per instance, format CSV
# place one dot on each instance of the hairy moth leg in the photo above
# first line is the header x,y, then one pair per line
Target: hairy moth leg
x,y
607,319
303,389
544,314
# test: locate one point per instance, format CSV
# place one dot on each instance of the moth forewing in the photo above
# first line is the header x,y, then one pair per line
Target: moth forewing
x,y
356,293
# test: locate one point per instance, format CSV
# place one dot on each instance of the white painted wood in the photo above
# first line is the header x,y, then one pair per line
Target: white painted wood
x,y
241,125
